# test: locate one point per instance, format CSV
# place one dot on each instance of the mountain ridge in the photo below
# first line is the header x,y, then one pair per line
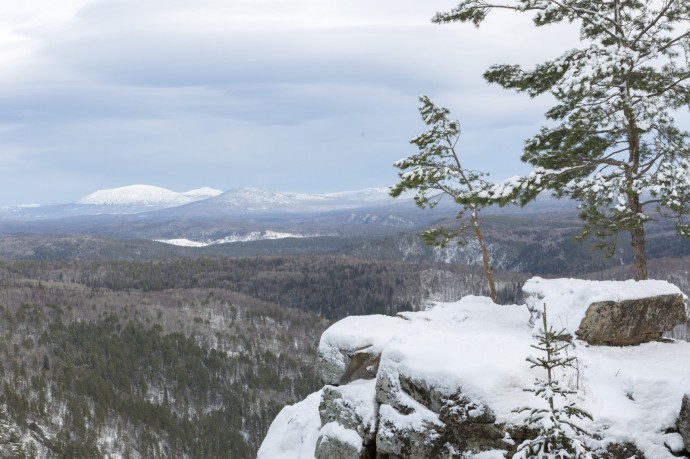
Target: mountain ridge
x,y
139,199
146,195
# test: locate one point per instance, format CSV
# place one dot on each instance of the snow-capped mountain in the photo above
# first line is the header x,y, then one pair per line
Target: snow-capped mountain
x,y
202,193
258,198
371,195
263,201
204,203
146,195
150,203
247,199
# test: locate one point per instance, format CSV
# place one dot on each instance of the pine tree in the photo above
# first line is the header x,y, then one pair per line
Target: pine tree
x,y
436,171
558,435
612,142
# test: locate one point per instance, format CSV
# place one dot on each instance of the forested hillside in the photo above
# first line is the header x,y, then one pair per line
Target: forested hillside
x,y
542,244
332,287
181,372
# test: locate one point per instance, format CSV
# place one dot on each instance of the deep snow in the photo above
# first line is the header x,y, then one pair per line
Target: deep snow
x,y
633,393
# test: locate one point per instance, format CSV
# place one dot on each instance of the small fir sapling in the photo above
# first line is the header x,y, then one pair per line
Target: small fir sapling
x,y
559,436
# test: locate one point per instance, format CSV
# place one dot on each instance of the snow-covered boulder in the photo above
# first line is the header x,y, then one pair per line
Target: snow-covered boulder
x,y
351,348
448,380
630,322
609,313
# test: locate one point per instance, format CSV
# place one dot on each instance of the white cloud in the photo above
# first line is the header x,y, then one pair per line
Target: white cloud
x,y
185,94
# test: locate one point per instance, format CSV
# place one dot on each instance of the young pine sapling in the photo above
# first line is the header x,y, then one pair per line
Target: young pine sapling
x,y
436,171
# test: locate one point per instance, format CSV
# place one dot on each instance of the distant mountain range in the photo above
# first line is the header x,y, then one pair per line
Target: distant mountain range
x,y
208,217
199,203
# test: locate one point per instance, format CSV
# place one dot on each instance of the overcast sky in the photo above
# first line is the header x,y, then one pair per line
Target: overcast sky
x,y
291,95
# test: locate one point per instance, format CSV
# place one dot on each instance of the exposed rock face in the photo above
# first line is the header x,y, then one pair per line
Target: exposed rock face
x,y
351,413
379,410
443,424
358,364
336,442
683,422
407,418
407,428
629,322
363,365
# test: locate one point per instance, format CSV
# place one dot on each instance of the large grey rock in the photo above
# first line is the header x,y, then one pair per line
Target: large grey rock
x,y
417,434
683,422
344,411
353,365
336,442
406,427
417,420
629,322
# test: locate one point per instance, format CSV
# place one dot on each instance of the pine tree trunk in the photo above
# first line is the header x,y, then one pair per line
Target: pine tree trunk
x,y
634,204
638,242
639,257
488,272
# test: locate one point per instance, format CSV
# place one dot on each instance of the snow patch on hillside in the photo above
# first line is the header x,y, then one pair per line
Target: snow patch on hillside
x,y
247,237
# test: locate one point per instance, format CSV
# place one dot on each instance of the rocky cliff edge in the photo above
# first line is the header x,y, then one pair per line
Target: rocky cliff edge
x,y
445,382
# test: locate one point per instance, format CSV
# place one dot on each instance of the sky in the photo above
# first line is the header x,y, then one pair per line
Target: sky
x,y
290,95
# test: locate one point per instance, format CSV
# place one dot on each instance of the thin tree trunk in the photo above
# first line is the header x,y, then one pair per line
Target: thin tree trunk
x,y
638,242
485,255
